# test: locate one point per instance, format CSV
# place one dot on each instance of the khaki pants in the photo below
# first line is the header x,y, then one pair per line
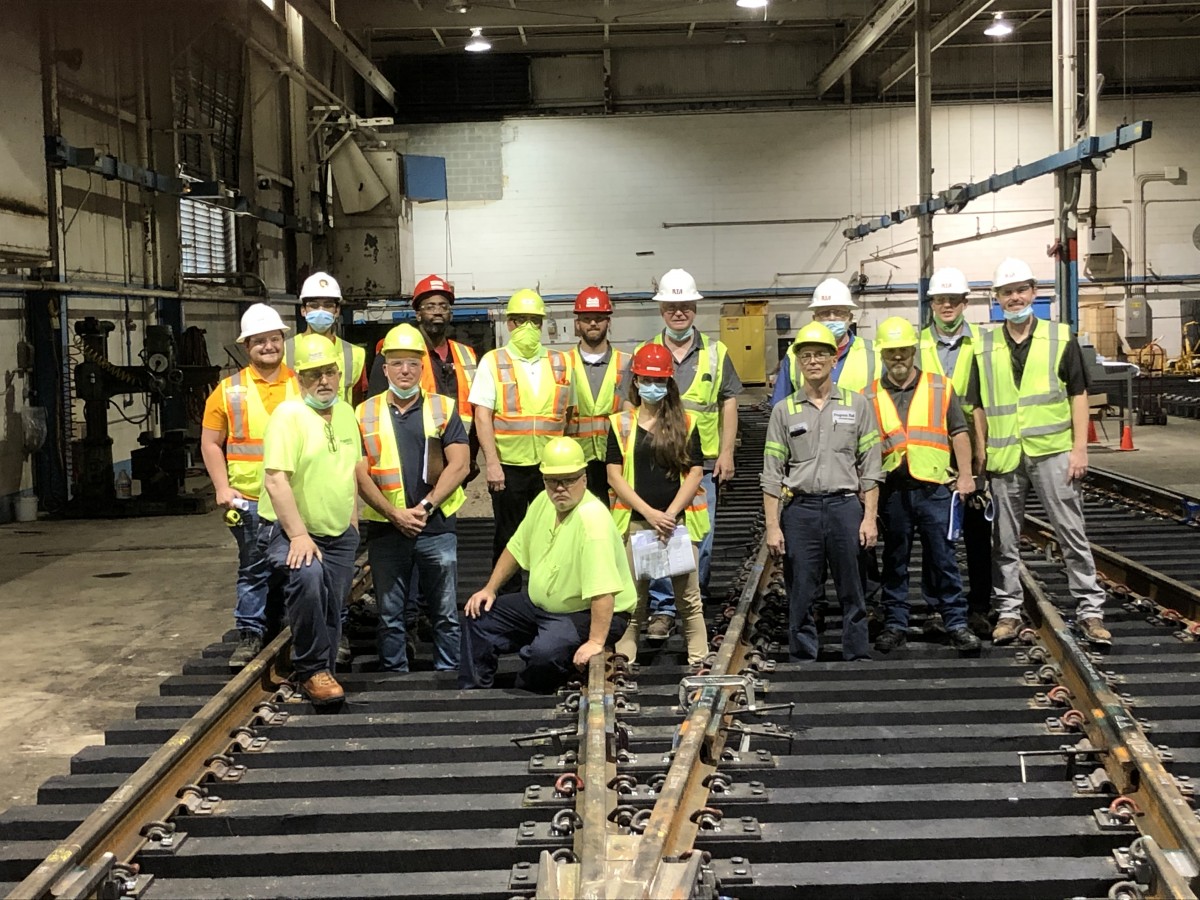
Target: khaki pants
x,y
687,601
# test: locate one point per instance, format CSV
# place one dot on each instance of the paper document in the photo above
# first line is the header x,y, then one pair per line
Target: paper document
x,y
654,559
954,531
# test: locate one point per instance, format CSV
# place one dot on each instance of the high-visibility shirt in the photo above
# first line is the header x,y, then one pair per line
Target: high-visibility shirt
x,y
695,517
1034,419
351,358
590,425
526,416
930,361
383,453
701,398
240,406
464,373
924,439
858,368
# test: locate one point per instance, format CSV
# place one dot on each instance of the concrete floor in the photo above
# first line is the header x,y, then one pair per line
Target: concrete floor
x,y
1166,455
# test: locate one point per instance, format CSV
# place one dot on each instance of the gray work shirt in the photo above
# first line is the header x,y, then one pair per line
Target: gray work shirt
x,y
949,346
597,370
830,450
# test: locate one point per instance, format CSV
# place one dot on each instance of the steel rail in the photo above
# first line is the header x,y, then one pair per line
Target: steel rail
x,y
1162,500
1131,762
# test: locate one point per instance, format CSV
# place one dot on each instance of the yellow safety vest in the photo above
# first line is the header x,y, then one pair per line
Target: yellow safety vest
x,y
1034,420
701,397
247,424
858,371
590,424
961,378
353,359
924,437
383,454
695,517
464,374
522,428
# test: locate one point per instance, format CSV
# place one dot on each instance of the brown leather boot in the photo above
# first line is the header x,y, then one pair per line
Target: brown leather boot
x,y
1094,631
323,689
1005,631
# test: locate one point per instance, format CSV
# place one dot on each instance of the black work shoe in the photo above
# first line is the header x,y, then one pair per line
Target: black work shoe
x,y
979,624
934,625
964,641
249,646
890,640
343,651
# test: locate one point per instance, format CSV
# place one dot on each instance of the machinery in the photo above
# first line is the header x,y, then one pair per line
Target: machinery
x,y
162,460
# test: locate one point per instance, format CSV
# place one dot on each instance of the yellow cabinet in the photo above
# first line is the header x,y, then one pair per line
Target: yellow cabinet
x,y
745,339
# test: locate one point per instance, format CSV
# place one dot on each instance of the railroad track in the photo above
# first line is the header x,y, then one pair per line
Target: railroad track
x,y
1027,772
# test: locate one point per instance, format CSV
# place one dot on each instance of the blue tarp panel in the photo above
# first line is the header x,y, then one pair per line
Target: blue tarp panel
x,y
424,178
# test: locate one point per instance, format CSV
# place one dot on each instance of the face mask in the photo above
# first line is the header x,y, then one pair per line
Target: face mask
x,y
526,339
652,393
1018,315
317,403
404,393
951,327
679,335
319,319
838,327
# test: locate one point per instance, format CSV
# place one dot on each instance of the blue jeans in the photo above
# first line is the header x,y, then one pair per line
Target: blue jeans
x,y
394,559
662,596
926,510
253,577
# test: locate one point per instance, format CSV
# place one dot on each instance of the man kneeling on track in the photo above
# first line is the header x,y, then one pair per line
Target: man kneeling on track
x,y
580,593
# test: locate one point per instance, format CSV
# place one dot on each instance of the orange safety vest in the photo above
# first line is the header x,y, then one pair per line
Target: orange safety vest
x,y
521,428
464,372
924,437
590,425
247,415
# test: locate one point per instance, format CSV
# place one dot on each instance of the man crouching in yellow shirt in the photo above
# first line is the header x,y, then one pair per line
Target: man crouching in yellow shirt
x,y
580,594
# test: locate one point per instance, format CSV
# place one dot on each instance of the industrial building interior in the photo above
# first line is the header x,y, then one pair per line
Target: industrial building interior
x,y
168,164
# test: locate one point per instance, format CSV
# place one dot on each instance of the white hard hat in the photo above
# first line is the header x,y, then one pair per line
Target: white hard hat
x,y
260,319
677,286
320,284
832,292
1012,271
948,281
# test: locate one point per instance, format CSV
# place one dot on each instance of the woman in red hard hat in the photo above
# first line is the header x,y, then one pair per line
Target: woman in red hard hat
x,y
655,465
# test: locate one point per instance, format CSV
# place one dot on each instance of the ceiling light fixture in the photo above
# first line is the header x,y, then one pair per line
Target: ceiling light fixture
x,y
458,7
1000,26
751,4
478,43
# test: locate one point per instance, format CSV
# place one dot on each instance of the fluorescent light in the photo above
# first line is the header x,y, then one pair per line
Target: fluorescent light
x,y
269,4
751,4
479,43
1000,27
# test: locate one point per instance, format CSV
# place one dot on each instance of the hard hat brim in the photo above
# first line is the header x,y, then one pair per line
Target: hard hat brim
x,y
675,298
572,469
246,335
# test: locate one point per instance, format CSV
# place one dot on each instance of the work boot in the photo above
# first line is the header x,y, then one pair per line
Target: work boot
x,y
934,625
1005,631
660,627
962,640
1094,631
343,653
890,640
979,624
249,646
322,689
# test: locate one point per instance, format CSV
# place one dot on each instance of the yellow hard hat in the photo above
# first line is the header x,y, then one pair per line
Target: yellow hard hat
x,y
896,333
815,333
314,351
526,302
404,337
562,456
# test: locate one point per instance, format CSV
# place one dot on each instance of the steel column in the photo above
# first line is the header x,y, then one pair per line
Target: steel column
x,y
924,98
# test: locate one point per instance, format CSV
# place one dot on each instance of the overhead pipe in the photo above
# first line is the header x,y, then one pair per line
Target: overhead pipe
x,y
1093,66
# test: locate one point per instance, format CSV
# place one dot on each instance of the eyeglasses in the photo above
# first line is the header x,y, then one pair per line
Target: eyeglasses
x,y
331,437
814,356
561,484
946,301
315,376
331,305
403,364
525,320
434,305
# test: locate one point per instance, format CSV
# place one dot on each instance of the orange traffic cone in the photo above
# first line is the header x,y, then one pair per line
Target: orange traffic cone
x,y
1127,438
1092,439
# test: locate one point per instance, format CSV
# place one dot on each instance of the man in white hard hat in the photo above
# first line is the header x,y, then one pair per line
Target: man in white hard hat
x,y
1031,417
235,419
321,306
709,387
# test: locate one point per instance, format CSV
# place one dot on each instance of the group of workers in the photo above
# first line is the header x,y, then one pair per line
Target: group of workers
x,y
584,450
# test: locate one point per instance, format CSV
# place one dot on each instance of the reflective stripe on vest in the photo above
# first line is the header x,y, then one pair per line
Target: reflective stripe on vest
x,y
695,517
701,396
345,364
247,415
1035,419
590,424
858,371
383,454
931,361
923,438
464,374
521,431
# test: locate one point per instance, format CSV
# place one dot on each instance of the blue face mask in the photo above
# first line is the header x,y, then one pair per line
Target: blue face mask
x,y
838,327
652,393
679,335
316,403
404,393
319,319
1018,315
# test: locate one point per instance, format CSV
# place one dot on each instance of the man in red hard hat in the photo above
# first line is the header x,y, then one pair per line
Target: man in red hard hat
x,y
601,374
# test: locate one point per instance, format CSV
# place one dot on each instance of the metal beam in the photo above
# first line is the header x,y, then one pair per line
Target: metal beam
x,y
874,27
346,46
924,104
945,28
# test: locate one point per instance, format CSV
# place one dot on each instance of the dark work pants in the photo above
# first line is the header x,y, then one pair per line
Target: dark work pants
x,y
522,484
977,541
547,642
597,479
926,510
820,531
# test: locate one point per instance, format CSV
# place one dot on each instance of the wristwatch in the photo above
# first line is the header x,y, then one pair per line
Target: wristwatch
x,y
427,506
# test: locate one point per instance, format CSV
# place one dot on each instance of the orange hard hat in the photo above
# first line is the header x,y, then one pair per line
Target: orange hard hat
x,y
432,284
654,360
592,299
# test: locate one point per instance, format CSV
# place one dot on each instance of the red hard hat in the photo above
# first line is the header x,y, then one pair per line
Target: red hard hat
x,y
654,360
592,299
432,284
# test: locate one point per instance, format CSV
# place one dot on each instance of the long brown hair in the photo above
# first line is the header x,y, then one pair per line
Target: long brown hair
x,y
669,439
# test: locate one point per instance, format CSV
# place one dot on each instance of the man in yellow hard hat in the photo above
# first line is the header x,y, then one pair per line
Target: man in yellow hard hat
x,y
231,436
581,592
411,480
920,422
821,456
523,397
308,534
321,305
